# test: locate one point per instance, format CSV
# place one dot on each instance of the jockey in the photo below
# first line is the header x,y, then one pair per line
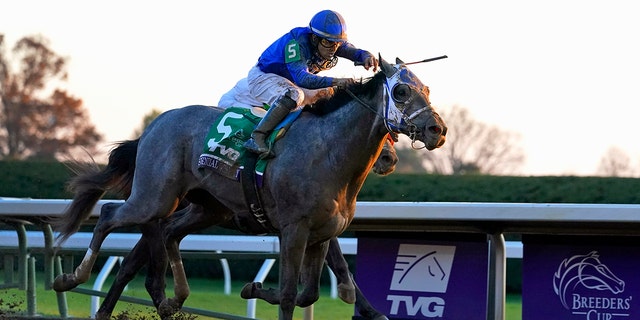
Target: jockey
x,y
289,66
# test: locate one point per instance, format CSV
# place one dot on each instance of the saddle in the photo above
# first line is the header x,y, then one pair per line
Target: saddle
x,y
224,150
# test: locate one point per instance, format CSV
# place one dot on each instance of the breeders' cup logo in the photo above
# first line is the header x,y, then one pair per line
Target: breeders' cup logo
x,y
421,268
582,272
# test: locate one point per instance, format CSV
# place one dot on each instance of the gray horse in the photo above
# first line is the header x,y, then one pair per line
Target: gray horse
x,y
309,189
150,249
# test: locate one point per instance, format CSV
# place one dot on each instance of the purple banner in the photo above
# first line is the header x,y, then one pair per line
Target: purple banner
x,y
580,281
424,279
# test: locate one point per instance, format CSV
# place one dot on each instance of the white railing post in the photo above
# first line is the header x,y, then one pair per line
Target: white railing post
x,y
102,277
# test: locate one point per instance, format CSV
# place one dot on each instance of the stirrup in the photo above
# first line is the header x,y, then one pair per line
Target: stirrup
x,y
263,152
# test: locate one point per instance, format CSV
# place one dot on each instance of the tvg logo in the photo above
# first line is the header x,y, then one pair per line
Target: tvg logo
x,y
430,307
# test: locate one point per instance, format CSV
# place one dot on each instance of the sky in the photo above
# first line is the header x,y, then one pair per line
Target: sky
x,y
562,74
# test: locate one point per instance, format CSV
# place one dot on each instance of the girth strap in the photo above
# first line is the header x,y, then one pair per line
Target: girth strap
x,y
251,195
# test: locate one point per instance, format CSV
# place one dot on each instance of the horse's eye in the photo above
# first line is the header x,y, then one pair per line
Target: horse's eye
x,y
401,93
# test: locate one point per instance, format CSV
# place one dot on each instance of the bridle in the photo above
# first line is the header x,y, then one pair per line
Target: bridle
x,y
398,94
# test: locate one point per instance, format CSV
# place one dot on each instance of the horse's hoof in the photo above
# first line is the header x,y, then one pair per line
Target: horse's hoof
x,y
248,290
64,282
102,316
381,317
167,308
304,300
347,293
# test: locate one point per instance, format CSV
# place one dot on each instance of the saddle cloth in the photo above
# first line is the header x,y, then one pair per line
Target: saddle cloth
x,y
224,145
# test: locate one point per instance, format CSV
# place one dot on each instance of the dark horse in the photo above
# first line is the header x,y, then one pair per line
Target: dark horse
x,y
150,249
309,189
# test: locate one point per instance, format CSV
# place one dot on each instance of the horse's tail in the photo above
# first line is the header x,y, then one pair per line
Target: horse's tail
x,y
91,183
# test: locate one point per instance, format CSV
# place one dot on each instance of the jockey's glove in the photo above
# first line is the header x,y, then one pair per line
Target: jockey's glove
x,y
343,83
368,61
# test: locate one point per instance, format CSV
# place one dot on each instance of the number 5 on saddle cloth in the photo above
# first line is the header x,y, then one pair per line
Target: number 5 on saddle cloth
x,y
223,147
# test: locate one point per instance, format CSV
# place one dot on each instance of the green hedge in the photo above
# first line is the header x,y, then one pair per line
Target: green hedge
x,y
34,179
478,188
47,180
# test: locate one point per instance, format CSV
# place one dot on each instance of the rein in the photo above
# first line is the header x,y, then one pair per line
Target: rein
x,y
366,105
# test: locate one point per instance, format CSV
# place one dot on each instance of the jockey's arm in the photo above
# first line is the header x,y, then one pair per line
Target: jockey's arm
x,y
305,79
359,56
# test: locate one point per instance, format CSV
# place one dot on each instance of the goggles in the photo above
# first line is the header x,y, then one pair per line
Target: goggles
x,y
328,43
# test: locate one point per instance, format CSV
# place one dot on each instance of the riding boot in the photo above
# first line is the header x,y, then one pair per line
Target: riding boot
x,y
278,111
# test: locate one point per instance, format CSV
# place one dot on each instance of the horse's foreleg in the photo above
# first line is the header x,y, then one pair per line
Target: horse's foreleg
x,y
293,241
339,266
348,289
364,308
254,290
313,263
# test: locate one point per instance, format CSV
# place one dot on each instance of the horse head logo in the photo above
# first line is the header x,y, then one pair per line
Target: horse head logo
x,y
422,268
586,271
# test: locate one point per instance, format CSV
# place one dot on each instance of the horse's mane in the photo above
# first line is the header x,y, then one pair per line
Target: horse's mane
x,y
366,88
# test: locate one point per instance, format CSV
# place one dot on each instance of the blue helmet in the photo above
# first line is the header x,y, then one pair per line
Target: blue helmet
x,y
330,25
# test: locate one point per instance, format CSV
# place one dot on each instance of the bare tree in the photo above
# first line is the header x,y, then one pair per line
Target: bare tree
x,y
36,121
473,147
615,163
152,115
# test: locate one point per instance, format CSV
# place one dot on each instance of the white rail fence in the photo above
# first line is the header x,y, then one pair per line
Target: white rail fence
x,y
492,219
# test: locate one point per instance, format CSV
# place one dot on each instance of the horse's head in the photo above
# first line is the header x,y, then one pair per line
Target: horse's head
x,y
595,275
386,162
408,109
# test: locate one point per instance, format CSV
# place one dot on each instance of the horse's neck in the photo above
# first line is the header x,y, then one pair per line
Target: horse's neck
x,y
357,135
337,149
356,124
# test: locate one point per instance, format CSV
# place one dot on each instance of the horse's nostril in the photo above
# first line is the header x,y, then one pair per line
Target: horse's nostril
x,y
435,129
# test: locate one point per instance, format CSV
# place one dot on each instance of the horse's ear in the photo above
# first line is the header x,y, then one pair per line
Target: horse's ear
x,y
398,61
386,68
